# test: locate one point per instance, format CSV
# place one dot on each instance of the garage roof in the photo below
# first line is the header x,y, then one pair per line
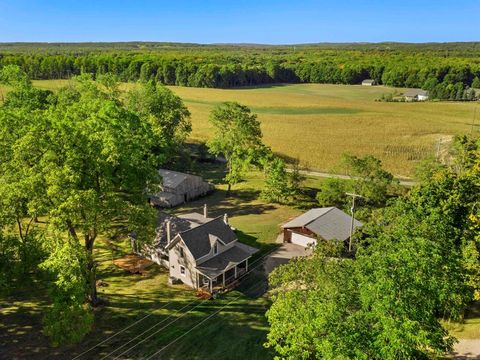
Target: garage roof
x,y
328,223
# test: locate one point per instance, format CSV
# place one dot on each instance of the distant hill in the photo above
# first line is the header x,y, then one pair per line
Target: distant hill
x,y
19,47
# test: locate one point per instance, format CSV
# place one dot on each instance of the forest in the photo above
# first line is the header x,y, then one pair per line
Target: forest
x,y
447,70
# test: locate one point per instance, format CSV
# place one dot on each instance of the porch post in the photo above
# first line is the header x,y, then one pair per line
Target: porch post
x,y
198,280
223,275
235,271
211,285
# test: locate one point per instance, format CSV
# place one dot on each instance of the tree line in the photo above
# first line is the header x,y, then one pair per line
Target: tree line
x,y
227,67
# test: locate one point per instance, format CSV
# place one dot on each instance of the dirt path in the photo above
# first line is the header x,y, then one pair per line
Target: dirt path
x,y
337,176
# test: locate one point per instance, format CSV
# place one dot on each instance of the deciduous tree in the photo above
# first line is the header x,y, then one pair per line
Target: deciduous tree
x,y
238,137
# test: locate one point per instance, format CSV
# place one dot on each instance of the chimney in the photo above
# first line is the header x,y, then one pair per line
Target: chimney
x,y
225,218
205,211
169,237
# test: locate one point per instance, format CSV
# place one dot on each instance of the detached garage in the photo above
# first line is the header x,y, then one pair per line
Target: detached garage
x,y
321,223
302,240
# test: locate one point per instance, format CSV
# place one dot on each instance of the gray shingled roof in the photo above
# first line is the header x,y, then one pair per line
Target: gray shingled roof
x,y
329,223
177,224
415,92
199,240
218,264
307,217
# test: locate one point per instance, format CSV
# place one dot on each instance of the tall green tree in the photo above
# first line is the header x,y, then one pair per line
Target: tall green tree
x,y
238,138
366,178
86,161
277,186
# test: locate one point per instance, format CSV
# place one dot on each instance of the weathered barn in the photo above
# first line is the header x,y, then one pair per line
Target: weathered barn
x,y
178,188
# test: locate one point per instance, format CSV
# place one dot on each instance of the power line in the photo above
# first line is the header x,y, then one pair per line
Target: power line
x,y
157,331
150,328
119,332
197,325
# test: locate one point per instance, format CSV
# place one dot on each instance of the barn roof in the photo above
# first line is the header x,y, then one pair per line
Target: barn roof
x,y
415,92
329,223
368,81
173,179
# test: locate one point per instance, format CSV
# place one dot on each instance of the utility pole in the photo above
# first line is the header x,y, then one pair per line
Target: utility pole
x,y
354,196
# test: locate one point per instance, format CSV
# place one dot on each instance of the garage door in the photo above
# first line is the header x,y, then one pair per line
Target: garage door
x,y
302,240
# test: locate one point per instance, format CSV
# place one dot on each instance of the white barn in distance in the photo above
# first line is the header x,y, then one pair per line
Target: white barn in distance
x,y
369,82
416,95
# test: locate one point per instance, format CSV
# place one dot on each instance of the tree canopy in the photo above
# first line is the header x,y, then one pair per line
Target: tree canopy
x,y
85,160
238,138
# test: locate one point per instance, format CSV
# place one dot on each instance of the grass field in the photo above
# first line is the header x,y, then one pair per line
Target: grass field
x,y
316,123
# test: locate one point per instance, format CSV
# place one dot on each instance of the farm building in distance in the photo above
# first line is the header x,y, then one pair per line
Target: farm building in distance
x,y
199,251
369,82
327,223
178,188
416,95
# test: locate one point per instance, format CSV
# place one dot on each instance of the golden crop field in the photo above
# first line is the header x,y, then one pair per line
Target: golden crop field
x,y
316,123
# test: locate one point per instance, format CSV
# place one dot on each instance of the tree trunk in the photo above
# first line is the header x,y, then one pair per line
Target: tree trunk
x,y
91,270
229,187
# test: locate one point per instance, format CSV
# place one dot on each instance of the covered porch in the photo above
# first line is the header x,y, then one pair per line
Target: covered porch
x,y
222,271
213,281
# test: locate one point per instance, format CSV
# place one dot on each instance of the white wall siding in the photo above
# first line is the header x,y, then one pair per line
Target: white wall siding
x,y
302,240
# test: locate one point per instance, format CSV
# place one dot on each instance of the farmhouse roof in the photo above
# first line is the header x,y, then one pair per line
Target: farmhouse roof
x,y
415,92
329,223
227,259
200,239
368,81
178,224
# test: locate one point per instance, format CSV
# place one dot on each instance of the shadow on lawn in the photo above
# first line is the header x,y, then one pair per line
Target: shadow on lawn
x,y
166,309
235,319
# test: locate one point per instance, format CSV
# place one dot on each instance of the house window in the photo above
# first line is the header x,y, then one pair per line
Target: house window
x,y
180,249
215,249
182,270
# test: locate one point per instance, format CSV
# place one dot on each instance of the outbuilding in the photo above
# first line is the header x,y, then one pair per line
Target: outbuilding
x,y
369,82
178,188
327,223
416,95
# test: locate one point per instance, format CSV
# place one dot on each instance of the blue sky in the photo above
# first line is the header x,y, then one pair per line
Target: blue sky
x,y
246,21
